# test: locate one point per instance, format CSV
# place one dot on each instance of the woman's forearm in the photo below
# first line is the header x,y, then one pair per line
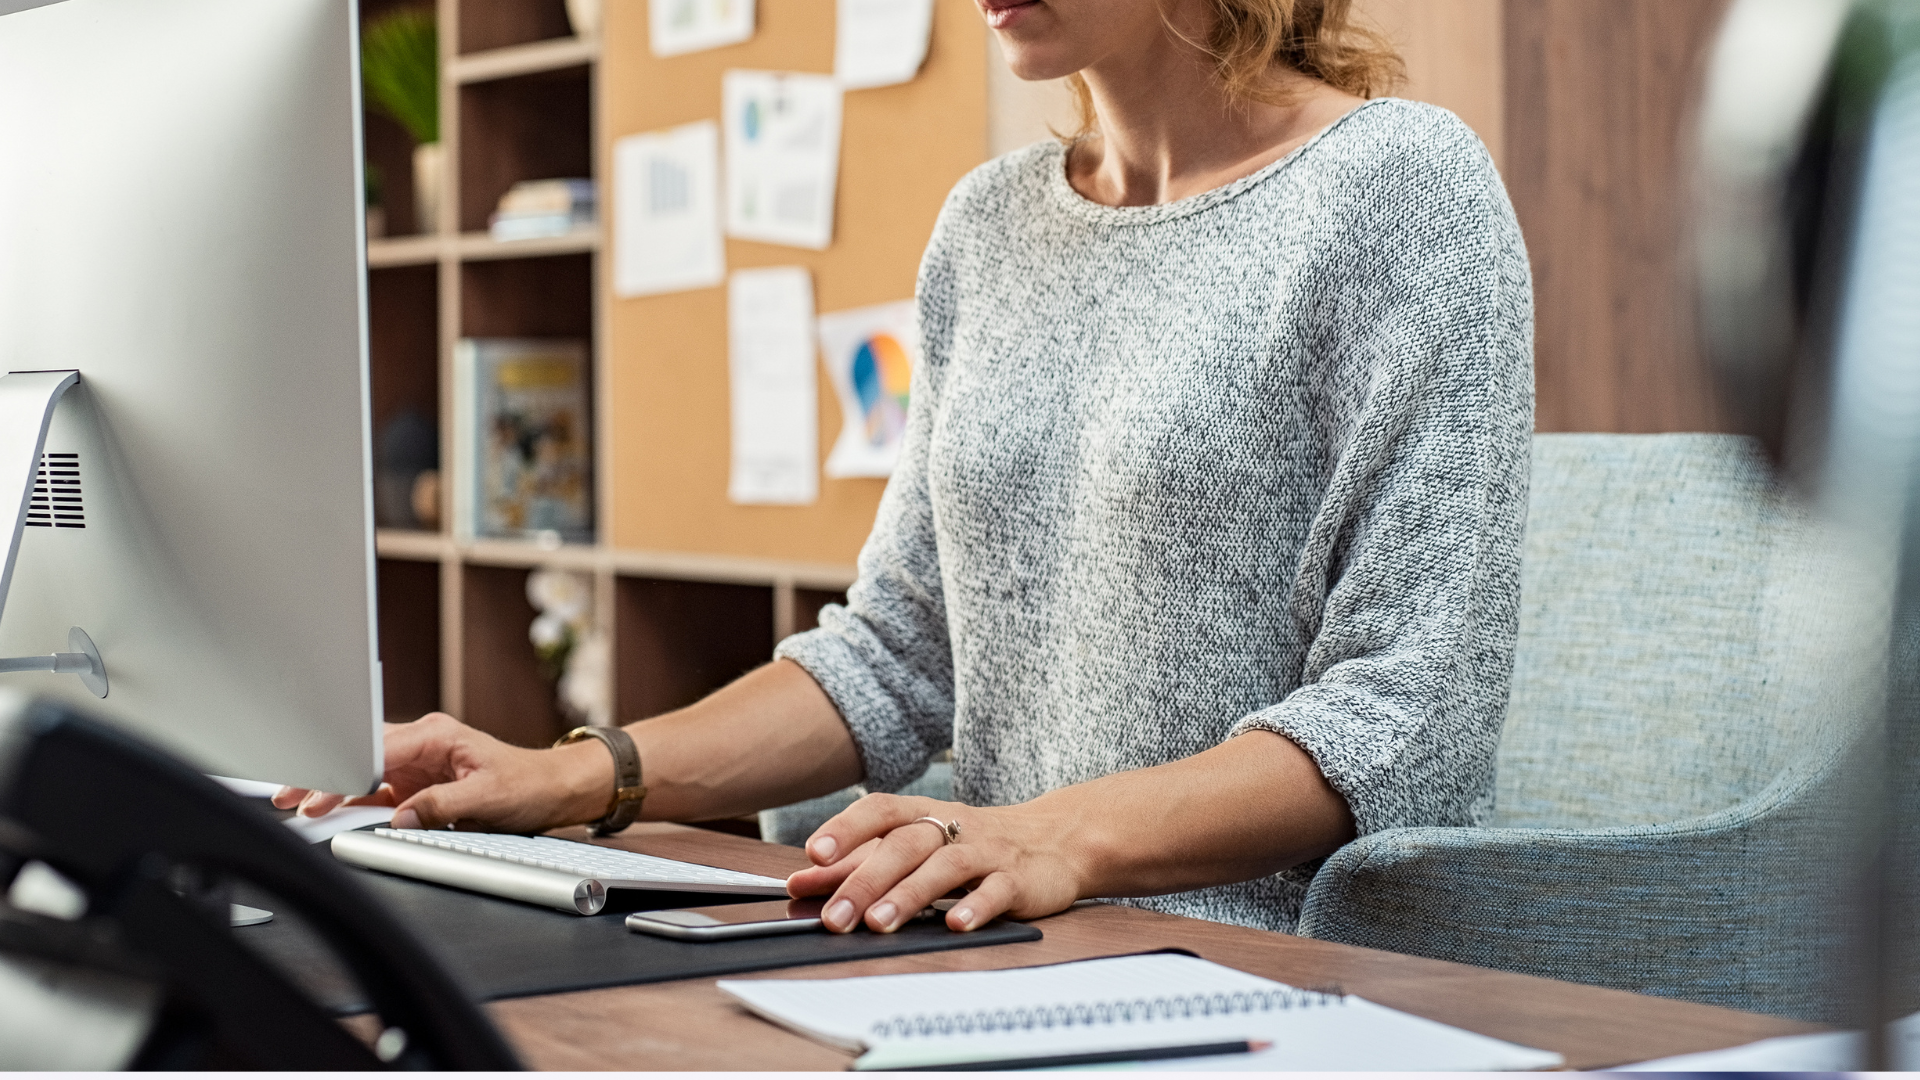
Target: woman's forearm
x,y
1252,806
770,738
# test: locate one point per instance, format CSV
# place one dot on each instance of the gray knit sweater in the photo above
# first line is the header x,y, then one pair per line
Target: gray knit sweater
x,y
1253,459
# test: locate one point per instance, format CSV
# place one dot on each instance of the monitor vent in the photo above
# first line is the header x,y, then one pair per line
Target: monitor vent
x,y
56,494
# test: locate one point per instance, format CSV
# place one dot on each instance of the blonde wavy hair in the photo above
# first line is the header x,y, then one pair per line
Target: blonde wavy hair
x,y
1318,38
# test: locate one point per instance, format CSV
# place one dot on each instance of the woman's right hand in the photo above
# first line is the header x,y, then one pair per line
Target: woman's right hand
x,y
441,773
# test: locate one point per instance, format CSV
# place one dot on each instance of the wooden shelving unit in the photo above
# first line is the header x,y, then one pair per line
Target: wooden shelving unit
x,y
519,100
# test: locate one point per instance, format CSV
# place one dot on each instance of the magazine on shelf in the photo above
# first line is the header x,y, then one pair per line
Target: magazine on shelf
x,y
523,440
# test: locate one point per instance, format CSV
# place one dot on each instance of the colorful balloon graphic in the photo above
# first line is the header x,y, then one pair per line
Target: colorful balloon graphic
x,y
882,375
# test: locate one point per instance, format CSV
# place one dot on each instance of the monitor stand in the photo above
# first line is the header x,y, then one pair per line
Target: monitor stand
x,y
27,399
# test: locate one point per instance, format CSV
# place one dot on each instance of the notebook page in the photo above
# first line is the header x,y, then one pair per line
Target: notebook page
x,y
1366,1037
843,1012
1353,1034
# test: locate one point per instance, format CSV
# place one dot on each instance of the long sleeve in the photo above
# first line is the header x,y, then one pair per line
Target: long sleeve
x,y
884,658
1409,578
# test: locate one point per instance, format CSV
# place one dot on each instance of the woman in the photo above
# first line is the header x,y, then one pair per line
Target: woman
x,y
1203,551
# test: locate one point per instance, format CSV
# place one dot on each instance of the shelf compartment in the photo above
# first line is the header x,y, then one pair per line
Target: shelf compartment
x,y
487,25
389,148
530,127
549,296
807,604
533,58
678,641
506,694
409,623
403,354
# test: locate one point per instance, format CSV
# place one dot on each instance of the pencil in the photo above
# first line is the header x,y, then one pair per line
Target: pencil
x,y
1096,1057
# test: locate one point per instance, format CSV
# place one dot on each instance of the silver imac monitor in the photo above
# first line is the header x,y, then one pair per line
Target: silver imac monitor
x,y
184,459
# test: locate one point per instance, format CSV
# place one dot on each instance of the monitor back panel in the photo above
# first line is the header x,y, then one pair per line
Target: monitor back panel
x,y
180,221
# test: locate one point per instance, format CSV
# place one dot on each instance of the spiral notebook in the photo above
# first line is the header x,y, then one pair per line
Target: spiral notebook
x,y
1143,1003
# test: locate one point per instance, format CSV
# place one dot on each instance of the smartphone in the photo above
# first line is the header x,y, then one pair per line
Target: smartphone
x,y
726,922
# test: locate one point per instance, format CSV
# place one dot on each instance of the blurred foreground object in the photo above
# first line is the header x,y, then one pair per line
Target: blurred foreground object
x,y
118,950
1808,250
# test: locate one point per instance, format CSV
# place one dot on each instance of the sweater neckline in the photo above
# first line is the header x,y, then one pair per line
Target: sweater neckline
x,y
1101,214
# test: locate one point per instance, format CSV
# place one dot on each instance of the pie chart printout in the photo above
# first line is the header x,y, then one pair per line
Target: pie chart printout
x,y
870,353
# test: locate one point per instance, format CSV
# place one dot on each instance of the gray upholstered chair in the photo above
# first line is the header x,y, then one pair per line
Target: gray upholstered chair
x,y
793,824
1670,778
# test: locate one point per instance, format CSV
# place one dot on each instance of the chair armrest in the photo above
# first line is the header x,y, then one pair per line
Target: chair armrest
x,y
1716,908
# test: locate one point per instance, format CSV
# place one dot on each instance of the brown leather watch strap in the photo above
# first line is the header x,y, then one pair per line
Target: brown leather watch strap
x,y
628,792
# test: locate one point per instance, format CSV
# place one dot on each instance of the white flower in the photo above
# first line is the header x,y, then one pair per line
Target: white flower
x,y
566,594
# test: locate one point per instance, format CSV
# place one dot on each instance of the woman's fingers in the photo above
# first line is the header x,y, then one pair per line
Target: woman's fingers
x,y
472,799
871,817
939,874
289,797
319,802
817,880
898,855
993,897
384,796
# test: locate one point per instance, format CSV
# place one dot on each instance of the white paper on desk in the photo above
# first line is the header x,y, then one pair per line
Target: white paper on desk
x,y
667,211
683,26
870,354
776,440
880,42
1827,1051
783,156
1354,1034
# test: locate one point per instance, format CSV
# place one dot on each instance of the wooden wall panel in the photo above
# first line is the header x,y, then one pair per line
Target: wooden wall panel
x,y
902,150
1597,95
1454,51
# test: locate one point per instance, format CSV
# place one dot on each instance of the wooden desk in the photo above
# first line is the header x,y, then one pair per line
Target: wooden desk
x,y
691,1025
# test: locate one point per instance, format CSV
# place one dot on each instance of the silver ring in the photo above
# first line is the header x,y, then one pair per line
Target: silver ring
x,y
948,829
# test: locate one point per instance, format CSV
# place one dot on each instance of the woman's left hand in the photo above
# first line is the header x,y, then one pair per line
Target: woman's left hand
x,y
884,866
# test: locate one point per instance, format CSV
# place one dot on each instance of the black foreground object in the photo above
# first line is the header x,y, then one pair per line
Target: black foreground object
x,y
504,949
133,827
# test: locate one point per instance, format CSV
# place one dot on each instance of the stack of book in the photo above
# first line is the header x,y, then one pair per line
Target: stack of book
x,y
536,208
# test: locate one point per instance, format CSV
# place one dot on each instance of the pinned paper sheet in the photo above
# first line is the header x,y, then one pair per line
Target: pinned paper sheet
x,y
783,156
870,354
880,42
776,436
667,211
684,26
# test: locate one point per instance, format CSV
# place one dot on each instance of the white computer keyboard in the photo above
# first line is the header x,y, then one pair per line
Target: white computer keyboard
x,y
613,868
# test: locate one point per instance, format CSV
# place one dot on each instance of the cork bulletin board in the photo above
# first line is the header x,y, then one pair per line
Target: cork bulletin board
x,y
902,149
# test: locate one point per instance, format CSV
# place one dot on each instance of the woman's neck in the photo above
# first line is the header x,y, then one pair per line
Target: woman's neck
x,y
1167,130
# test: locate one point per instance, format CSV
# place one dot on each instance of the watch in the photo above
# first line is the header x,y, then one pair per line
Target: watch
x,y
628,792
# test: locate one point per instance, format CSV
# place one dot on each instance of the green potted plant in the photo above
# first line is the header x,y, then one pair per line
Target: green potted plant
x,y
400,68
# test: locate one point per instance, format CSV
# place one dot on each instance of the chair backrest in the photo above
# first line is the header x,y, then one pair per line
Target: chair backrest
x,y
1648,674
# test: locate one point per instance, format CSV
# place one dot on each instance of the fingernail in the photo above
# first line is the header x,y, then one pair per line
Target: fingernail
x,y
965,915
823,848
884,913
406,819
840,914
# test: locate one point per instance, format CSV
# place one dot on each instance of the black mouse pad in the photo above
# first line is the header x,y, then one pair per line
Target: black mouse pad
x,y
505,949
